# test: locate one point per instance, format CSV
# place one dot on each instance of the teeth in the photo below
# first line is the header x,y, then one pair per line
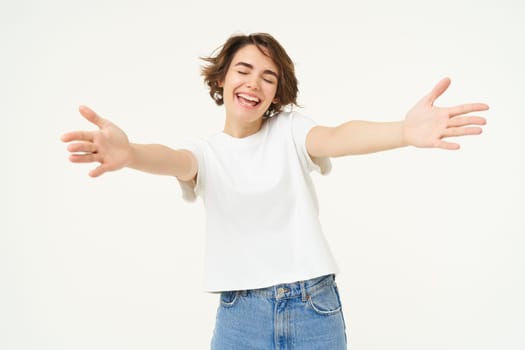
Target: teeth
x,y
249,98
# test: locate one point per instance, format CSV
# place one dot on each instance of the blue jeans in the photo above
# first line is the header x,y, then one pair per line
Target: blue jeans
x,y
303,315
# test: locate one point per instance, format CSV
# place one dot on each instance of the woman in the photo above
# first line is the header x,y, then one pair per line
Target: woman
x,y
265,250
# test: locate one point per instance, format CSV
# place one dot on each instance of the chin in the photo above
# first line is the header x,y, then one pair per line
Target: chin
x,y
248,115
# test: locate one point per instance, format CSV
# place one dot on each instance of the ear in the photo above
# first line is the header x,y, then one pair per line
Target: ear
x,y
275,100
220,83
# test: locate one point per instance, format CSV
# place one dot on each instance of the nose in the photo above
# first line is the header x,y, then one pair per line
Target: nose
x,y
253,84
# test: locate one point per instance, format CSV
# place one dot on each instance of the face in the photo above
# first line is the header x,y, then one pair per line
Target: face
x,y
250,85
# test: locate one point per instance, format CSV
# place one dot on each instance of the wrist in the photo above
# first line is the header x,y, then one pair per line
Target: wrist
x,y
132,156
403,139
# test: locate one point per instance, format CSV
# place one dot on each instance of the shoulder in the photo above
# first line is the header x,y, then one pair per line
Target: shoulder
x,y
299,123
193,144
289,115
292,119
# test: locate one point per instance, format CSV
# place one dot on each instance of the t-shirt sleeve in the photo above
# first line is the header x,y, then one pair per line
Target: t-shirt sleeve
x,y
191,189
301,126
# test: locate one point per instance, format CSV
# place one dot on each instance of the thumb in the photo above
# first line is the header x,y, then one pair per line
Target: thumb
x,y
91,116
438,90
98,171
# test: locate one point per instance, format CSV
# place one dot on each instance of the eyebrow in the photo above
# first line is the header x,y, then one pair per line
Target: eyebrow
x,y
266,71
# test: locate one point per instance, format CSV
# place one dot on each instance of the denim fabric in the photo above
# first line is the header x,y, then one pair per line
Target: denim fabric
x,y
303,316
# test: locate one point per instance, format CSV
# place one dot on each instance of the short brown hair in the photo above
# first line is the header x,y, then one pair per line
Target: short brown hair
x,y
217,66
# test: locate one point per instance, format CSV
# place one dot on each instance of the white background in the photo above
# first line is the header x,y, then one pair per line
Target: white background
x,y
430,242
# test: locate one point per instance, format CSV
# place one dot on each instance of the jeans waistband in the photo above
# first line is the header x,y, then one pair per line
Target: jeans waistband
x,y
292,290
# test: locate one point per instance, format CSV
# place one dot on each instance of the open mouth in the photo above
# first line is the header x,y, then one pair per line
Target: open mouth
x,y
247,100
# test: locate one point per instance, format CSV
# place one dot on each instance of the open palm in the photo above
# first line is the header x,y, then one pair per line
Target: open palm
x,y
108,146
426,125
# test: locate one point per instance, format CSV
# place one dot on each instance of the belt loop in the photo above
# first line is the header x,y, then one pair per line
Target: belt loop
x,y
304,295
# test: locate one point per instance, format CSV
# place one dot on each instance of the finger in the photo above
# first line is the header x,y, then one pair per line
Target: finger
x,y
78,136
98,171
90,115
438,90
84,158
467,108
87,147
452,146
453,132
467,120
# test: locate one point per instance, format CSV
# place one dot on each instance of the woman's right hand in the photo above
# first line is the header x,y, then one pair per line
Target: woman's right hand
x,y
108,146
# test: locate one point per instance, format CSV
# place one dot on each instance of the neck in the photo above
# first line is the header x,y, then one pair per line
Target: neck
x,y
241,130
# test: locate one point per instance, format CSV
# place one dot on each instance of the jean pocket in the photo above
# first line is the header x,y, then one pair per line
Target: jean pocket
x,y
229,299
325,301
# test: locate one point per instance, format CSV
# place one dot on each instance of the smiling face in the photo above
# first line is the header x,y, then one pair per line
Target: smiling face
x,y
249,88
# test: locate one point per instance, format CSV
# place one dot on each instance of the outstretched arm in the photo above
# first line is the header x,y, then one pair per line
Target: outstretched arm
x,y
425,125
110,147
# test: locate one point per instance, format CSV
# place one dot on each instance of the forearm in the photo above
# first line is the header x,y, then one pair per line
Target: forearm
x,y
162,160
361,137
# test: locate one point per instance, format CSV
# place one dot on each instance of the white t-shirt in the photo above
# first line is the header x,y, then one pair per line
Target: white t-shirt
x,y
262,215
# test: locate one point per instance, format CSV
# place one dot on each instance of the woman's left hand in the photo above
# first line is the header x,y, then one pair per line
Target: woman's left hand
x,y
426,125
